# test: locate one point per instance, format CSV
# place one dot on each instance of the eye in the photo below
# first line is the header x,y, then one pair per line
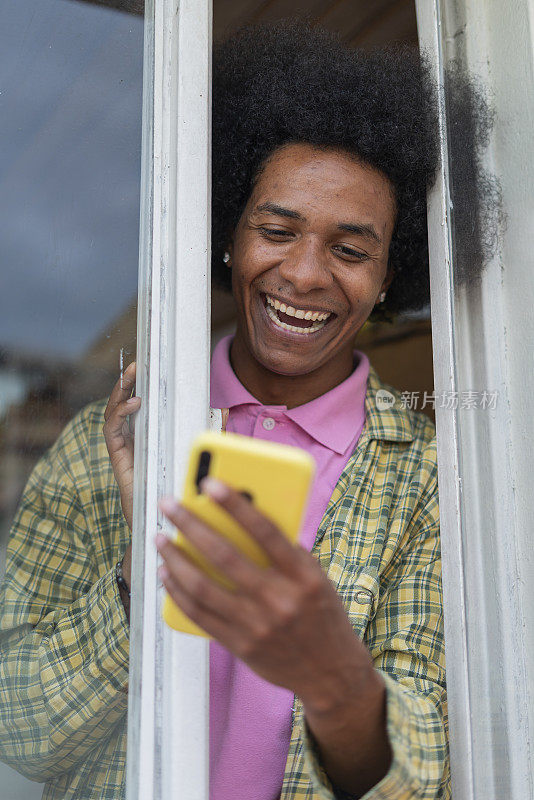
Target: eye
x,y
350,253
274,233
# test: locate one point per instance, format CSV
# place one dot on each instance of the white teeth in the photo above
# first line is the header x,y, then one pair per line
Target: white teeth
x,y
299,313
317,326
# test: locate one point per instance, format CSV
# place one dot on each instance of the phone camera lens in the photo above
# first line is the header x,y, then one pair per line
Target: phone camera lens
x,y
203,467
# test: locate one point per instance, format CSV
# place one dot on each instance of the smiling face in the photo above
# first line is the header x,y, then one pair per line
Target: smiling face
x,y
309,259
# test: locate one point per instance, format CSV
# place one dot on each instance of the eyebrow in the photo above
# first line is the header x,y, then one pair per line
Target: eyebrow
x,y
280,211
360,229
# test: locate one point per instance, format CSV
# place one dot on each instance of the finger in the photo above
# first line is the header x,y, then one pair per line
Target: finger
x,y
225,413
209,622
215,548
114,427
122,389
200,590
279,550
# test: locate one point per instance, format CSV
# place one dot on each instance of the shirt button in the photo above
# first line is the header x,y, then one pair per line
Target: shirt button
x,y
268,423
364,597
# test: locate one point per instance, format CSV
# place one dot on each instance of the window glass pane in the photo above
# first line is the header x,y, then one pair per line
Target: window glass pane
x,y
71,87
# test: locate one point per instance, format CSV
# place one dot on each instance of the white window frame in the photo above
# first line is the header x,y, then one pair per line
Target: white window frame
x,y
479,338
169,688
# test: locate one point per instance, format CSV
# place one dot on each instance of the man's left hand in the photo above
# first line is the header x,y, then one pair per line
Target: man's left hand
x,y
285,621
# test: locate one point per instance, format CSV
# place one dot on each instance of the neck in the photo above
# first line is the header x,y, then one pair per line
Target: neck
x,y
272,389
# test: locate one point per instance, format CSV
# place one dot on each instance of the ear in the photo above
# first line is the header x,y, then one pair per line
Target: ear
x,y
386,283
387,280
230,250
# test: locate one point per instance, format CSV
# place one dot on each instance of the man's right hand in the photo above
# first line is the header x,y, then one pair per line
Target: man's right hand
x,y
120,444
119,438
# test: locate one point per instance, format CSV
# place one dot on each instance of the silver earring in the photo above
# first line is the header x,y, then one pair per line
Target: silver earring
x,y
381,297
226,257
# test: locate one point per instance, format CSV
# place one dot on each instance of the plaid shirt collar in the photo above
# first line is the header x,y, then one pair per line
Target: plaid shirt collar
x,y
390,422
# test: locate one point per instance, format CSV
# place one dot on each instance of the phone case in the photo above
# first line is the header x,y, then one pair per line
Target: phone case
x,y
275,477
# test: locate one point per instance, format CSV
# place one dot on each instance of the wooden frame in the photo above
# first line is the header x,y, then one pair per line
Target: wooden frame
x,y
168,702
445,380
479,345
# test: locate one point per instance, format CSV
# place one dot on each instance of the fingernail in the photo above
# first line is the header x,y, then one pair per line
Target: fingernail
x,y
163,573
168,505
214,488
133,400
160,540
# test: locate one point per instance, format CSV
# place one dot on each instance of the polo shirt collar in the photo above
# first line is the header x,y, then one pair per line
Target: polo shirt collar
x,y
333,418
226,390
317,418
330,419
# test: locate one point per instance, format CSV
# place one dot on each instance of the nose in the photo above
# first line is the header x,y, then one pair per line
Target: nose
x,y
306,266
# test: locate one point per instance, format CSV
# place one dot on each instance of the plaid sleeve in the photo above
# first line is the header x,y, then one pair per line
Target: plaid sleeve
x,y
63,631
405,638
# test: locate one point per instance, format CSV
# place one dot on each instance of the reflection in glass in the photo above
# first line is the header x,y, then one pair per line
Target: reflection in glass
x,y
69,210
71,85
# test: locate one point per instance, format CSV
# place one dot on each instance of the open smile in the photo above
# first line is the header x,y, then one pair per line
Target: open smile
x,y
296,320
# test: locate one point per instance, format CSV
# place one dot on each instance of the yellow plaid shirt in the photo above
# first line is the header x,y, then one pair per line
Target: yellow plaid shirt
x,y
64,635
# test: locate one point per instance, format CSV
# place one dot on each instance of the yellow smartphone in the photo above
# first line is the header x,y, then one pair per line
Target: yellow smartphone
x,y
276,478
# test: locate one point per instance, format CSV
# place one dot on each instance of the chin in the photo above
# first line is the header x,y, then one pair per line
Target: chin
x,y
286,373
287,367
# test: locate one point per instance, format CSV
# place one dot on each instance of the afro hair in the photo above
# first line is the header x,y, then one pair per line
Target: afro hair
x,y
291,82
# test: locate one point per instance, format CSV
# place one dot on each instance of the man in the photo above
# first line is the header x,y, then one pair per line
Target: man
x,y
318,222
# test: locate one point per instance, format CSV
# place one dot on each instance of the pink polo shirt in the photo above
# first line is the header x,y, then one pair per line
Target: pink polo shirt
x,y
250,719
